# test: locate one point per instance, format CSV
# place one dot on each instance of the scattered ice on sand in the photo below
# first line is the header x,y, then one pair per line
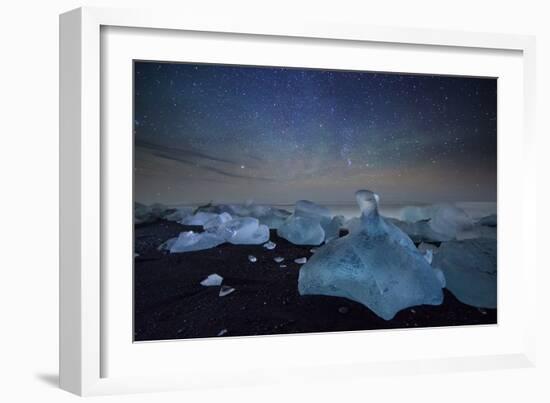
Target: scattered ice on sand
x,y
222,332
225,290
278,259
378,266
470,269
212,280
270,245
252,258
189,241
300,260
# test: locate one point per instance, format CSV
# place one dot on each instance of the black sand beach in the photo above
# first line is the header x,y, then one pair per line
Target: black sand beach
x,y
170,302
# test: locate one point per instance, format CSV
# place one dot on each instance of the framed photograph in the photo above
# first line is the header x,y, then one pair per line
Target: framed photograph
x,y
242,202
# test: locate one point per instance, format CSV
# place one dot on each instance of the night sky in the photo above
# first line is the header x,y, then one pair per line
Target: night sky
x,y
277,135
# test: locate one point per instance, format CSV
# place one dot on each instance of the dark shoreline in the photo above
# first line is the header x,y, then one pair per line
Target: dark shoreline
x,y
170,303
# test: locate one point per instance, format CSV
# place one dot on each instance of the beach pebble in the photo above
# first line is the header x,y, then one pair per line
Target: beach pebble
x,y
212,280
300,260
278,259
252,258
270,245
225,290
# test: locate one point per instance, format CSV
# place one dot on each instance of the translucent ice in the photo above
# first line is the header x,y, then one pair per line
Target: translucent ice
x,y
243,231
302,230
470,268
306,225
450,220
199,218
332,228
378,266
300,260
189,241
273,218
214,223
225,290
212,280
252,258
306,208
270,245
278,259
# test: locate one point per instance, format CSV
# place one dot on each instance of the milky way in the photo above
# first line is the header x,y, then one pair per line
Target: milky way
x,y
276,135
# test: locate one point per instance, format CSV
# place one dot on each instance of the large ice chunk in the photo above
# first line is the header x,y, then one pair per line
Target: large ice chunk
x,y
244,230
306,225
378,266
470,268
189,241
302,230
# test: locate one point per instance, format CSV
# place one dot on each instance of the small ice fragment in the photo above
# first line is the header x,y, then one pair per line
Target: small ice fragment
x,y
136,254
313,250
429,255
343,309
212,280
252,258
222,332
278,259
225,290
270,245
300,260
283,266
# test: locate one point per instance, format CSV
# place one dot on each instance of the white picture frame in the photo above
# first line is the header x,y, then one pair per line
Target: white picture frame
x,y
86,343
